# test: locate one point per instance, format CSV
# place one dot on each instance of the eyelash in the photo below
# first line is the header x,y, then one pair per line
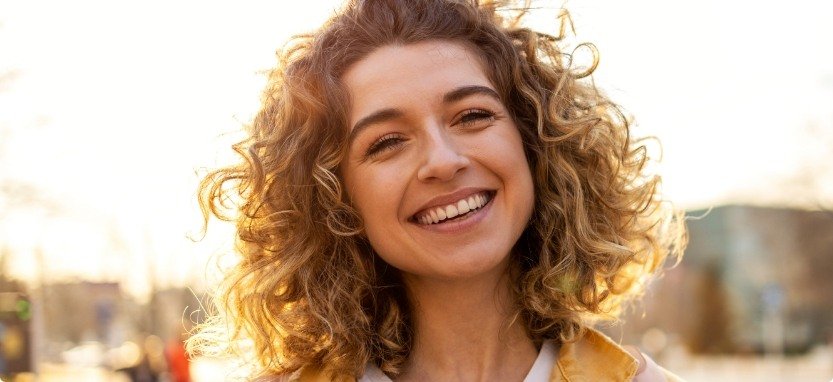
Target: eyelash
x,y
386,142
472,116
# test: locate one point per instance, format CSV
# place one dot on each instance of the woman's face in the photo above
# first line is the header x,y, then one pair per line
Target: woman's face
x,y
436,166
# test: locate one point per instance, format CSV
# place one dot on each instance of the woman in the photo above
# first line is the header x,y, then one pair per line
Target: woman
x,y
431,192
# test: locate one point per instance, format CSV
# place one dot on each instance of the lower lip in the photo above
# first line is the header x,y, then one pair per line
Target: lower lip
x,y
458,226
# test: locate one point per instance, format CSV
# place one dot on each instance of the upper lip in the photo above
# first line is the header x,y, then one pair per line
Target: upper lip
x,y
453,197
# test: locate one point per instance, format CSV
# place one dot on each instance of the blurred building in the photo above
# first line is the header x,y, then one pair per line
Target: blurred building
x,y
753,279
84,311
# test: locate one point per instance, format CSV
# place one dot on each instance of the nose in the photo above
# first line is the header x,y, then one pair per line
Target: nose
x,y
441,159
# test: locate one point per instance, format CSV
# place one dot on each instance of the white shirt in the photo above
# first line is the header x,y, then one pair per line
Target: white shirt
x,y
540,371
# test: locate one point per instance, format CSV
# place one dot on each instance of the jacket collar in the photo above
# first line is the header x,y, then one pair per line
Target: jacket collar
x,y
593,357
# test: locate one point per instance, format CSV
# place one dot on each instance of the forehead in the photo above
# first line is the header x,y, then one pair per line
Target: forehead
x,y
395,76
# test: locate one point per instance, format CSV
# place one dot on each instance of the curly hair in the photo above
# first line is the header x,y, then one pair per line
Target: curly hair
x,y
309,289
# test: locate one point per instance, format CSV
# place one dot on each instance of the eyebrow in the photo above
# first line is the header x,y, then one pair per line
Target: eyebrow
x,y
466,91
388,114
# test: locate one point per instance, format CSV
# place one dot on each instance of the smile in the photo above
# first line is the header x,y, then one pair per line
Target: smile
x,y
458,209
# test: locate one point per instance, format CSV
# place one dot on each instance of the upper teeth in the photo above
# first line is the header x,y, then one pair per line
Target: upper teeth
x,y
462,206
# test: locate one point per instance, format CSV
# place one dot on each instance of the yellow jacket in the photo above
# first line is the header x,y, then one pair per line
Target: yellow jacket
x,y
593,358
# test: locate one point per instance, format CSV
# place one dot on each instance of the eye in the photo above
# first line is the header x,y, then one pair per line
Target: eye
x,y
475,117
385,143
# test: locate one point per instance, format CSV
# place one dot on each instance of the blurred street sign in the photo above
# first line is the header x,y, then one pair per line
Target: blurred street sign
x,y
15,334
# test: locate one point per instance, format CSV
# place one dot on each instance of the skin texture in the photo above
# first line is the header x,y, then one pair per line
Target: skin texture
x,y
423,149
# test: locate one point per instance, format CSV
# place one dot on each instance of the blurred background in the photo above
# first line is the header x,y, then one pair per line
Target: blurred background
x,y
110,111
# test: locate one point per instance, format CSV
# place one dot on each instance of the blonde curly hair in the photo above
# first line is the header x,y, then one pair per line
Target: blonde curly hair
x,y
309,289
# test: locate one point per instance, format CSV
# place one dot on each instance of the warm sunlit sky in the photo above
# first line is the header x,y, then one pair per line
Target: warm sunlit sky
x,y
108,109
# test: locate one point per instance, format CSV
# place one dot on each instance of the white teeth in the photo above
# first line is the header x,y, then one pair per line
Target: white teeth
x,y
463,206
473,202
451,211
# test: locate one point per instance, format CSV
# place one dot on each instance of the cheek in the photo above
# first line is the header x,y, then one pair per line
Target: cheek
x,y
376,195
377,199
516,166
528,194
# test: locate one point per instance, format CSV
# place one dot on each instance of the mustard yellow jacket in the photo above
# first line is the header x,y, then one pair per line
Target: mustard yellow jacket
x,y
593,358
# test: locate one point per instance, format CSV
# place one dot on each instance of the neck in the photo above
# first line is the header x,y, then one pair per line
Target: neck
x,y
464,330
